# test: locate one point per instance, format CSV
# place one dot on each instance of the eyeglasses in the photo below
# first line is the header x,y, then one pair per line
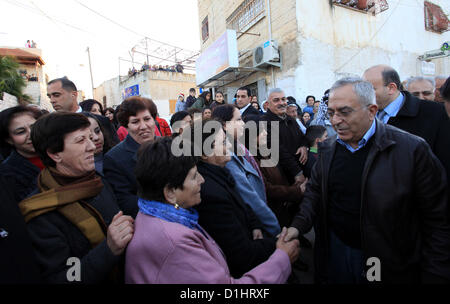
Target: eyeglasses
x,y
424,93
342,113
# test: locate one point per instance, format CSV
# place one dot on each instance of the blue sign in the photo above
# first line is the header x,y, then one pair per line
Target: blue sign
x,y
266,44
130,91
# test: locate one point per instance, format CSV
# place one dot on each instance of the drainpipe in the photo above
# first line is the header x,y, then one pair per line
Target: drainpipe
x,y
269,22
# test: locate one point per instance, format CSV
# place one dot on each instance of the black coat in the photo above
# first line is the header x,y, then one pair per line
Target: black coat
x,y
55,239
404,218
17,260
428,120
118,168
20,176
250,111
230,221
290,139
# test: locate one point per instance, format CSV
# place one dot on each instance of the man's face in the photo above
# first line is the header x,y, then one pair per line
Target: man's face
x,y
316,107
277,103
61,99
437,93
242,98
192,93
349,118
422,89
292,112
384,94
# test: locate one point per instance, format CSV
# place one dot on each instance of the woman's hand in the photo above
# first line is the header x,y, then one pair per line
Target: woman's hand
x,y
291,248
120,232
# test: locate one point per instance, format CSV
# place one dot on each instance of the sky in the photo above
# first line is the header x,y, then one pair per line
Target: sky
x,y
63,29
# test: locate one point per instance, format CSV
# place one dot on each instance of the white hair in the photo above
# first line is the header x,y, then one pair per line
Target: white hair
x,y
420,78
363,89
274,90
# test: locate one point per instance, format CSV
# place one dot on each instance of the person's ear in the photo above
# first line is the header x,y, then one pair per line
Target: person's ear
x,y
169,195
9,141
74,94
56,157
373,109
392,87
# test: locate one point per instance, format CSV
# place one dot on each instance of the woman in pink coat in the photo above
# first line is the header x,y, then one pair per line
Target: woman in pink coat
x,y
169,246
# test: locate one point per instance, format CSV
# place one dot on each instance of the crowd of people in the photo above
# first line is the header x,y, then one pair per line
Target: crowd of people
x,y
366,166
178,68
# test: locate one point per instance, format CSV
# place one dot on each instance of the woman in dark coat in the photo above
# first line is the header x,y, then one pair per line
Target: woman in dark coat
x,y
229,220
21,168
76,229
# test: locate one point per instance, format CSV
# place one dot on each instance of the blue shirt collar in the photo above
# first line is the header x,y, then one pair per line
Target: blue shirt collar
x,y
393,108
363,140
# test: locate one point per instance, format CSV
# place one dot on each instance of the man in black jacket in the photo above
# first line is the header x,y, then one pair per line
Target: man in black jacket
x,y
377,197
243,102
404,111
191,98
292,142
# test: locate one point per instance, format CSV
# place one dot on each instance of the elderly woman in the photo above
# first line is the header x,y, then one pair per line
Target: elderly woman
x,y
244,169
102,144
170,246
21,168
74,220
120,161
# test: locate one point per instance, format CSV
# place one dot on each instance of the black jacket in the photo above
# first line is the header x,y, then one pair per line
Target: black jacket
x,y
17,260
190,101
20,176
290,139
404,218
55,239
250,111
118,168
428,120
230,221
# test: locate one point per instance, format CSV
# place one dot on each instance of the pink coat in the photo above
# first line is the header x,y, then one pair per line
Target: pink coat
x,y
162,252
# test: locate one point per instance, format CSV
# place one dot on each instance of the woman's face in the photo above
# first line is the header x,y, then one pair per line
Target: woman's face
x,y
235,126
255,105
189,196
306,117
141,127
220,154
96,109
19,134
207,114
219,97
310,101
109,115
77,158
97,136
208,97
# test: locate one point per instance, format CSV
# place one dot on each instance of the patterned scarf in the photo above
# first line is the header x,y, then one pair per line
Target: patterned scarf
x,y
167,212
68,200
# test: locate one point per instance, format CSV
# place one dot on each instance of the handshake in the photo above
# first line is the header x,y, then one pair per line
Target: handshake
x,y
288,242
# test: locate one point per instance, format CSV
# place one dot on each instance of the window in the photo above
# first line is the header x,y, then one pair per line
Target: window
x,y
435,18
366,6
205,29
246,15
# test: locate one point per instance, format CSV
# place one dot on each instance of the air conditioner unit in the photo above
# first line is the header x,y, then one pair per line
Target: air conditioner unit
x,y
266,54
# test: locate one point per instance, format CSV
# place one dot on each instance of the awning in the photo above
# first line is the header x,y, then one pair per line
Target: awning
x,y
230,75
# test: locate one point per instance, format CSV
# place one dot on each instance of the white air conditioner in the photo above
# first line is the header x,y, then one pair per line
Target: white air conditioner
x,y
266,54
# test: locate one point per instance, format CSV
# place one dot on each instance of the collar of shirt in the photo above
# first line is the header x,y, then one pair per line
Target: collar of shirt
x,y
363,140
244,108
79,110
393,108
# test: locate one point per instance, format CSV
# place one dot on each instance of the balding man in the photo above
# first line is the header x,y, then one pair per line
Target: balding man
x,y
377,196
428,120
63,96
421,87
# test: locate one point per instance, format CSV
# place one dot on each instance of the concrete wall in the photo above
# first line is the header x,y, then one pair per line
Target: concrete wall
x,y
8,101
320,43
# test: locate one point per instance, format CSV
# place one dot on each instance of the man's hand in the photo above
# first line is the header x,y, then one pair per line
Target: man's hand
x,y
291,248
300,179
120,232
303,186
291,233
257,234
303,151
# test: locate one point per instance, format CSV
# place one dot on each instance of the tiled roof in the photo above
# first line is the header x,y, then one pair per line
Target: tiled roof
x,y
21,55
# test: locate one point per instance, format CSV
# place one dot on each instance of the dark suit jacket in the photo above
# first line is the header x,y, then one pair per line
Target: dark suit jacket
x,y
250,110
118,168
428,120
230,221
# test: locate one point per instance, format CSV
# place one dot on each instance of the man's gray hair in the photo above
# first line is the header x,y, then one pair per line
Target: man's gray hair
x,y
420,78
363,89
274,90
440,77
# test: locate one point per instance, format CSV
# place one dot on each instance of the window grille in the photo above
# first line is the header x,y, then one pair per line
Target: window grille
x,y
246,15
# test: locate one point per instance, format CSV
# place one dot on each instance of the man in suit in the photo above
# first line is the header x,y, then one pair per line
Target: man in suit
x,y
63,97
404,111
243,102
